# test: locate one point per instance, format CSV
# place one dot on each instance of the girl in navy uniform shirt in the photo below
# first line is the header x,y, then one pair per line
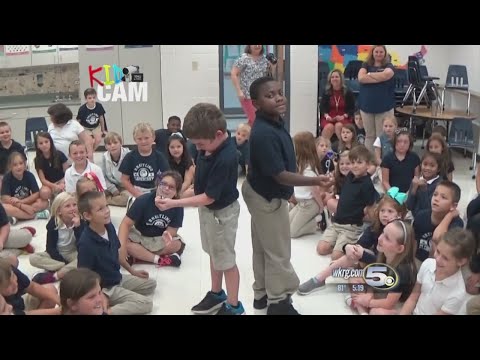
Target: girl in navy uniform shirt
x,y
152,233
21,196
180,160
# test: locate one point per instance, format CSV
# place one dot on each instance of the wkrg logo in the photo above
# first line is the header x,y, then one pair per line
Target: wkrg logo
x,y
380,276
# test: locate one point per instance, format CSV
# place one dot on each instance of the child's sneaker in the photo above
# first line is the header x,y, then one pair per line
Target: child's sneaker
x,y
228,309
29,249
43,215
46,277
260,304
210,302
310,286
30,229
170,260
12,220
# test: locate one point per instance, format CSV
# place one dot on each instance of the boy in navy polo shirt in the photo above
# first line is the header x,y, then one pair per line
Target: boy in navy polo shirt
x,y
215,193
430,224
270,181
357,194
99,250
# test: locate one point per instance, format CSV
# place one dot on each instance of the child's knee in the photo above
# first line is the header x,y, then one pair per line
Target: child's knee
x,y
324,248
45,193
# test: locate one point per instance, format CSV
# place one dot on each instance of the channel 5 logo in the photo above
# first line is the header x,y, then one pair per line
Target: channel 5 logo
x,y
380,276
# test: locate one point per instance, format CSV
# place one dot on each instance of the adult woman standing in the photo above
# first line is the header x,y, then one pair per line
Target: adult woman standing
x,y
251,65
377,92
337,106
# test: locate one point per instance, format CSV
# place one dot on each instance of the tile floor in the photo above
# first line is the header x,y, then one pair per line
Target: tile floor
x,y
179,289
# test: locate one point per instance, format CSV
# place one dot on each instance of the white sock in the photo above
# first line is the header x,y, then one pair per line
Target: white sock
x,y
55,275
156,258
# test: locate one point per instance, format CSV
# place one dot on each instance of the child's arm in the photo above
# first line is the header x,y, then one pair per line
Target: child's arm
x,y
123,232
409,305
102,124
365,78
194,201
317,196
417,171
386,178
4,232
412,194
31,199
188,178
129,187
378,155
42,293
294,179
444,225
384,75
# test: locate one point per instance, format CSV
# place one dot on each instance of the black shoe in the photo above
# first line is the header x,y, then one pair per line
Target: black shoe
x,y
261,303
210,303
284,307
182,248
323,222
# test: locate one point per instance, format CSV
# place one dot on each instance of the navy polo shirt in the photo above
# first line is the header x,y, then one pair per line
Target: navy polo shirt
x,y
271,152
356,194
150,220
376,98
216,175
100,255
20,189
423,228
401,171
50,172
142,170
3,216
5,153
16,300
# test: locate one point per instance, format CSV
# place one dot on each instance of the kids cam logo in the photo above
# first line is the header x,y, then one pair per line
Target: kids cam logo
x,y
127,83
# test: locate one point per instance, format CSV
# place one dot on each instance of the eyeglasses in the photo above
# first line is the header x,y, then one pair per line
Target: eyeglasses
x,y
177,134
166,186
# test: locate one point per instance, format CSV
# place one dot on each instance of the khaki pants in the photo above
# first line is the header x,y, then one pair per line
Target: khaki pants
x,y
128,298
273,272
218,232
473,306
43,260
118,200
373,124
153,244
302,218
339,235
17,240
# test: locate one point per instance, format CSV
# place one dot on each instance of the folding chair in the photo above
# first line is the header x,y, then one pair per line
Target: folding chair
x,y
461,136
32,127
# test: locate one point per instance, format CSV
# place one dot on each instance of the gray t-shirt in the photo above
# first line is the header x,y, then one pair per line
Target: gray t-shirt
x,y
250,70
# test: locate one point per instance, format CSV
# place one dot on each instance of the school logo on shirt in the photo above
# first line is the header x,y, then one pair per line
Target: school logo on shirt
x,y
424,242
159,220
92,119
21,192
361,139
143,172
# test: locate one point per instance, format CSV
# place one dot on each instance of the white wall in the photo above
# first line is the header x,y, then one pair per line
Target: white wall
x,y
303,88
190,74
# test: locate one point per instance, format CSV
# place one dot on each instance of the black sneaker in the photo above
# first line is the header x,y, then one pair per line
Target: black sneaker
x,y
323,222
261,303
169,260
210,303
284,307
228,309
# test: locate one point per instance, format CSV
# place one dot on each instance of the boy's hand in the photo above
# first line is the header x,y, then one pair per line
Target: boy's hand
x,y
472,283
358,251
76,220
350,251
164,204
140,273
167,237
454,213
323,180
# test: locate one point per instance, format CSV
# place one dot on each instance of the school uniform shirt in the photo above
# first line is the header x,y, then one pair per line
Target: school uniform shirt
x,y
180,167
142,170
5,153
100,254
150,220
16,300
361,134
447,295
62,238
111,169
72,176
271,152
369,241
3,216
51,173
243,151
90,118
216,175
401,171
63,136
423,227
405,282
423,197
20,189
305,192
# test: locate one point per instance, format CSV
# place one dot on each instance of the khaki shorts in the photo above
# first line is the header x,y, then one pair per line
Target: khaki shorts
x,y
339,235
218,231
31,302
152,244
92,132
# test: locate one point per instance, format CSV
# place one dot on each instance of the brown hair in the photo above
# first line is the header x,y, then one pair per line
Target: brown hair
x,y
462,242
386,199
360,152
248,50
306,152
176,177
89,91
60,114
371,61
111,136
75,284
203,121
353,130
445,155
399,132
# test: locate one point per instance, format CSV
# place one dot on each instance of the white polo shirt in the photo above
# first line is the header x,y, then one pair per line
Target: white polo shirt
x,y
447,295
72,176
63,136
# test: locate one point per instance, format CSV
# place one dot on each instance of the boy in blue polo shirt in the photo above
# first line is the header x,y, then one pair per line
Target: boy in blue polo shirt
x,y
216,194
99,250
270,181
